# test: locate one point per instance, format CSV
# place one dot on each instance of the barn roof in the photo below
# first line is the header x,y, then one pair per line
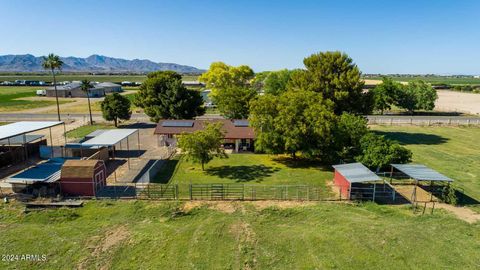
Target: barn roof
x,y
356,172
109,137
24,127
79,168
421,172
234,129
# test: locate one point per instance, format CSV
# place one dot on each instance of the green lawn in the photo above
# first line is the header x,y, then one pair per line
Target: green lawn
x,y
160,235
453,151
247,169
82,131
10,98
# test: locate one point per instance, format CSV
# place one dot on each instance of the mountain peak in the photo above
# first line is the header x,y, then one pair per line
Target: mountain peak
x,y
93,63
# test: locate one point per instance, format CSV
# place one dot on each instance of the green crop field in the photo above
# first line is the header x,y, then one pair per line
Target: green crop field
x,y
434,80
162,235
79,77
10,99
453,151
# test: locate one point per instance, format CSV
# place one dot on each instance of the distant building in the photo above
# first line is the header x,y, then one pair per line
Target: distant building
x,y
193,84
74,89
476,77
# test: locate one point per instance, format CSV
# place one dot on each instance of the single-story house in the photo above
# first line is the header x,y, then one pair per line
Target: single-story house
x,y
73,89
239,136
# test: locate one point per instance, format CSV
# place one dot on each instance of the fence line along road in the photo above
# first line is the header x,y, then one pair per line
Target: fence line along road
x,y
422,120
10,117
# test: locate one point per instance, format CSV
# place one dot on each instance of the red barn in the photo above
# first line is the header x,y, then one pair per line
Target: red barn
x,y
83,177
352,173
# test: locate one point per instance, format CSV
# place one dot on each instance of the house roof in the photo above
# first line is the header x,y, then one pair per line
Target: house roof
x,y
232,131
356,172
421,172
24,127
107,84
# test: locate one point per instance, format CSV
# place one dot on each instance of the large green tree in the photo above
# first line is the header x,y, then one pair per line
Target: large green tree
x,y
115,107
349,131
221,76
163,96
417,95
85,86
276,82
234,102
202,146
53,62
294,122
337,78
386,94
378,152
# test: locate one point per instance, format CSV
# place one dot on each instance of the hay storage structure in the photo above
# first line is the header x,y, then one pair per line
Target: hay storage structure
x,y
83,177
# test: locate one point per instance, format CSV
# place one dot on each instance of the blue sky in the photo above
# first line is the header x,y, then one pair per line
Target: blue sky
x,y
435,36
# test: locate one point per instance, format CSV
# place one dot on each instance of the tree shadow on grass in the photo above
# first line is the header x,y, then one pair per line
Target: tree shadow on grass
x,y
413,138
302,163
166,173
242,173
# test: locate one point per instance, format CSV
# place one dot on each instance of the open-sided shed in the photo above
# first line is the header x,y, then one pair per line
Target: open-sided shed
x,y
348,174
420,174
83,177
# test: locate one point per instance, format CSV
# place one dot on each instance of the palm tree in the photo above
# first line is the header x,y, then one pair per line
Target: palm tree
x,y
85,86
52,62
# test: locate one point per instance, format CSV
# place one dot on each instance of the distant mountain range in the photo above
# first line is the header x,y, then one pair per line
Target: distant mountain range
x,y
93,63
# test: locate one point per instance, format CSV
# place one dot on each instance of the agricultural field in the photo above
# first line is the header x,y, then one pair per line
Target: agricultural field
x,y
265,235
11,99
453,151
434,80
79,77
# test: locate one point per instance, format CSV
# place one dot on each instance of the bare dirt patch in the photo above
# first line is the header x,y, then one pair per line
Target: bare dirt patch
x,y
225,207
462,213
453,101
103,246
230,207
281,204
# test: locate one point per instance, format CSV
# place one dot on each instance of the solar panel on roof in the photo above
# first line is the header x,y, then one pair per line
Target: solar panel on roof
x,y
240,123
177,124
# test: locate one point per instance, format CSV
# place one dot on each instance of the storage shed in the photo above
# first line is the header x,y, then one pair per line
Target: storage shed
x,y
348,174
83,177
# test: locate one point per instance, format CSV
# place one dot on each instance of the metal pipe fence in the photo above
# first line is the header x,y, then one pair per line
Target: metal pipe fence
x,y
423,120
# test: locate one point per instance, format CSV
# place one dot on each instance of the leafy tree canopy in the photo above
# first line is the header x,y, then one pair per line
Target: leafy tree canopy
x,y
221,76
116,106
336,77
349,132
275,82
296,121
386,94
234,102
417,95
378,152
203,145
163,95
